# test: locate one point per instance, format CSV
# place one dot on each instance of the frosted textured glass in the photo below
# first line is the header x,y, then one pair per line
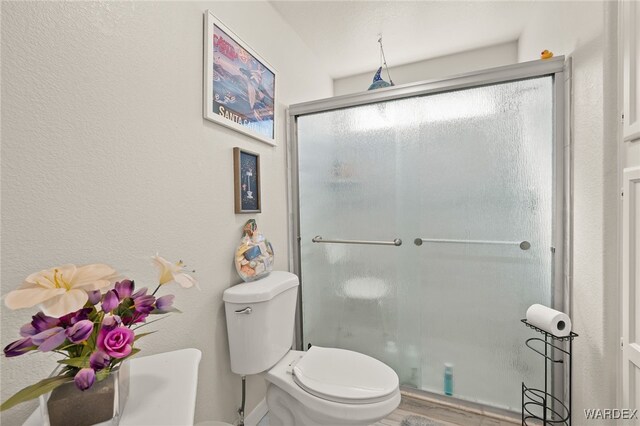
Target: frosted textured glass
x,y
474,164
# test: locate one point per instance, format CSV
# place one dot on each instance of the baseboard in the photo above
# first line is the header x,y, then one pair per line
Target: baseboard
x,y
256,414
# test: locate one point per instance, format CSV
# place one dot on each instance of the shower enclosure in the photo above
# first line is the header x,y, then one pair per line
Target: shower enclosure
x,y
426,219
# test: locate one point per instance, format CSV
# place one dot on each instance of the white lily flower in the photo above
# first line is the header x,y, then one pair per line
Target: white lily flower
x,y
60,290
170,272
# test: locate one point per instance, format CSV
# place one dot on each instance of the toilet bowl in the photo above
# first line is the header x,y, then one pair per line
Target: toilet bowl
x,y
322,386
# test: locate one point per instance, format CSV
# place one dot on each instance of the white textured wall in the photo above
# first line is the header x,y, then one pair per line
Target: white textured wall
x,y
106,158
586,32
459,63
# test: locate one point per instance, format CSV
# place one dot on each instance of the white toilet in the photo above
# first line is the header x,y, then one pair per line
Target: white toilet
x,y
323,386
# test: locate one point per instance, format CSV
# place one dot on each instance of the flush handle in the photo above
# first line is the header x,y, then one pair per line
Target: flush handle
x,y
245,311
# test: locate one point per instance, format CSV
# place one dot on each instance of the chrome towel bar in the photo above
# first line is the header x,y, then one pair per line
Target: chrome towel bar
x,y
524,245
396,242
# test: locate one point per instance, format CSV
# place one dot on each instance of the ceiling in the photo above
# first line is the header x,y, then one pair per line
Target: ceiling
x,y
344,34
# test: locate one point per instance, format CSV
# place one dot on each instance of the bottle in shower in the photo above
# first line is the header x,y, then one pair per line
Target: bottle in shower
x,y
448,379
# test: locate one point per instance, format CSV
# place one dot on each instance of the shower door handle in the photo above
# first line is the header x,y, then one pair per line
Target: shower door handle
x,y
397,242
524,245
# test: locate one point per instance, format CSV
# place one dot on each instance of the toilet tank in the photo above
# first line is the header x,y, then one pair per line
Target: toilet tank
x,y
260,320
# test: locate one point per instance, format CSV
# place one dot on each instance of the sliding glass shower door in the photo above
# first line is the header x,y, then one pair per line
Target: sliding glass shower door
x,y
465,179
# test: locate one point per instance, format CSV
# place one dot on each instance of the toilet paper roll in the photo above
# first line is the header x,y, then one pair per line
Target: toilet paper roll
x,y
552,321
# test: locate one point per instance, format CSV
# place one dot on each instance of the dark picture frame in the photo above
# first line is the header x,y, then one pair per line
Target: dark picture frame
x,y
246,181
239,85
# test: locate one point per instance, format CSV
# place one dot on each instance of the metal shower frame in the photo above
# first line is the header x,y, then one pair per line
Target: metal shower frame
x,y
556,67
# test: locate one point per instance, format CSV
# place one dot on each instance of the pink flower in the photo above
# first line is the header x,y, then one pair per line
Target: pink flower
x,y
116,343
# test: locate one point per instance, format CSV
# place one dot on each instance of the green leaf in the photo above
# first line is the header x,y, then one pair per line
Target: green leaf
x,y
143,334
149,322
79,362
34,391
68,347
67,370
102,374
133,352
171,309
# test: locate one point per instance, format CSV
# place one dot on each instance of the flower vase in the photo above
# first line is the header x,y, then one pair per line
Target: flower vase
x,y
103,403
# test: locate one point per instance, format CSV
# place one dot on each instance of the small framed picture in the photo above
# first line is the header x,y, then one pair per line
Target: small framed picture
x,y
239,86
246,179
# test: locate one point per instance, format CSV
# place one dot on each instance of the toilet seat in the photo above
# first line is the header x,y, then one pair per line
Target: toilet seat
x,y
286,398
344,376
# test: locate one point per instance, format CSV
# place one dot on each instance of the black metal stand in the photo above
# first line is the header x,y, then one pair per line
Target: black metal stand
x,y
541,407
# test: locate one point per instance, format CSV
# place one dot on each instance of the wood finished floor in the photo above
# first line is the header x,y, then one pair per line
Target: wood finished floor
x,y
439,415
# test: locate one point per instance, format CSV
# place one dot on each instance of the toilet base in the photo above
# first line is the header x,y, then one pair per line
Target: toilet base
x,y
287,411
284,410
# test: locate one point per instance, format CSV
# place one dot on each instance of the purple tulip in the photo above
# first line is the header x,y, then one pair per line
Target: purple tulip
x,y
117,343
134,318
164,303
139,293
99,360
144,304
74,317
94,296
110,322
124,288
28,330
49,339
84,378
110,301
18,347
41,322
80,331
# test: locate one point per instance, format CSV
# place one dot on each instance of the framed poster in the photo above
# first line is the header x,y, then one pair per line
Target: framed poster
x,y
239,86
246,180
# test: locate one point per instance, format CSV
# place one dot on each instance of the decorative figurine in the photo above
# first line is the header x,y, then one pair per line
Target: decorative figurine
x,y
378,81
254,256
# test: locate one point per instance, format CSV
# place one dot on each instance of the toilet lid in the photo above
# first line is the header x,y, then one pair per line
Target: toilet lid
x,y
344,376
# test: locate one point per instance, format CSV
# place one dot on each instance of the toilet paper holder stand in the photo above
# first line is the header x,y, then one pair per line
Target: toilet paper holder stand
x,y
540,405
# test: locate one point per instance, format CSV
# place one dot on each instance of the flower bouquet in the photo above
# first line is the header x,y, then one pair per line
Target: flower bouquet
x,y
94,327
